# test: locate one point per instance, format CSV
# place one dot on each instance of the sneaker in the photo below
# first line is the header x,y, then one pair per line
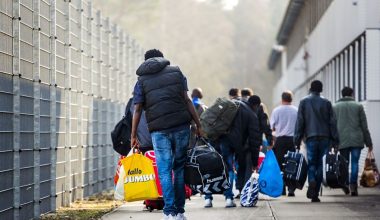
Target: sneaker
x,y
169,217
208,203
311,190
230,203
315,199
181,216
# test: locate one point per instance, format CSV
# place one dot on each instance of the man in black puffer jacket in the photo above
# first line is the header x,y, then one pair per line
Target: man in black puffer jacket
x,y
161,91
244,129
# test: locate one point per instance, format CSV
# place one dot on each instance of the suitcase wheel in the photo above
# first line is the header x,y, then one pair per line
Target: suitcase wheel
x,y
150,209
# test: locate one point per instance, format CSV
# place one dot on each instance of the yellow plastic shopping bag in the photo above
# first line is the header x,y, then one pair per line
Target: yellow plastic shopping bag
x,y
139,179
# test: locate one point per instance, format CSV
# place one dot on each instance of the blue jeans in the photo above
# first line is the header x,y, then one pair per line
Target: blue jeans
x,y
170,151
355,155
316,149
228,157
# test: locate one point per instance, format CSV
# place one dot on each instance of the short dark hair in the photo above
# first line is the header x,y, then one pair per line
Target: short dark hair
x,y
197,92
287,96
153,53
316,86
246,92
234,92
254,100
347,91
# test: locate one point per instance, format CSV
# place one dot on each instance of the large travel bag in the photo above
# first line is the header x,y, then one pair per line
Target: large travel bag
x,y
205,170
217,119
335,170
295,170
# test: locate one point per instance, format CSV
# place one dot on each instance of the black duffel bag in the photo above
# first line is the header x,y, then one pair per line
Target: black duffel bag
x,y
205,170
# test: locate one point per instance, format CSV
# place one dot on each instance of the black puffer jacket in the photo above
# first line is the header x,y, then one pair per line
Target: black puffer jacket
x,y
245,129
165,105
315,119
264,124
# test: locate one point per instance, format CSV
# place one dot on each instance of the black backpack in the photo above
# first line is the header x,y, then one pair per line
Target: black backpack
x,y
335,170
295,170
205,171
121,134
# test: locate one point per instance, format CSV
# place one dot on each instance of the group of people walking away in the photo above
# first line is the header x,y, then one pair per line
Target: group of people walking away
x,y
162,108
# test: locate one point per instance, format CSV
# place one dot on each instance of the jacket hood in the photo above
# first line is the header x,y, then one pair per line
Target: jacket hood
x,y
152,66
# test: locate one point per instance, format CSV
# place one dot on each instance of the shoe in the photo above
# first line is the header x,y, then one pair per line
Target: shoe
x,y
354,189
230,203
311,192
291,194
181,216
238,196
315,199
346,190
208,203
169,217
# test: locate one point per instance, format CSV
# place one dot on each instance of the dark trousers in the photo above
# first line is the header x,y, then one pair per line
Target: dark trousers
x,y
282,145
244,170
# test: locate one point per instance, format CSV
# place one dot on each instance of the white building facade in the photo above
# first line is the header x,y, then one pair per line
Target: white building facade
x,y
337,42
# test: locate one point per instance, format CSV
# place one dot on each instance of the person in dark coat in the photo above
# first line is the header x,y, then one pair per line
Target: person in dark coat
x,y
316,123
256,105
244,129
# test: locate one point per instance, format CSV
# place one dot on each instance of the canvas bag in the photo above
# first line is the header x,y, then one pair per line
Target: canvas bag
x,y
137,179
217,119
370,176
270,179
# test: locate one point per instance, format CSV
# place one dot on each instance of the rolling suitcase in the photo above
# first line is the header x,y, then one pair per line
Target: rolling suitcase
x,y
295,170
335,170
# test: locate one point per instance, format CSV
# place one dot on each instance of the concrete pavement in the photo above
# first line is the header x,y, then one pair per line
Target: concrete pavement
x,y
334,205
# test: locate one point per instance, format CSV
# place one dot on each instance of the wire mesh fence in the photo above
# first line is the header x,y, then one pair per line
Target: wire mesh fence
x,y
66,73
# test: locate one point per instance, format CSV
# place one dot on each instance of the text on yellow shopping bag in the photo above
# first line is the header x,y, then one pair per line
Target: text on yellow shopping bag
x,y
139,181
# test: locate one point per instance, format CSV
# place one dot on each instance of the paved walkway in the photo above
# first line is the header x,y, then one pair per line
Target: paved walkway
x,y
334,205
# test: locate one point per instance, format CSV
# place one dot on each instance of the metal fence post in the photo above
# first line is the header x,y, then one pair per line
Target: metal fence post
x,y
16,107
53,105
36,87
67,89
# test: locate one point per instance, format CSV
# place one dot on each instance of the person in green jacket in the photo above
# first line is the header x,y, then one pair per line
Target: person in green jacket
x,y
353,133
